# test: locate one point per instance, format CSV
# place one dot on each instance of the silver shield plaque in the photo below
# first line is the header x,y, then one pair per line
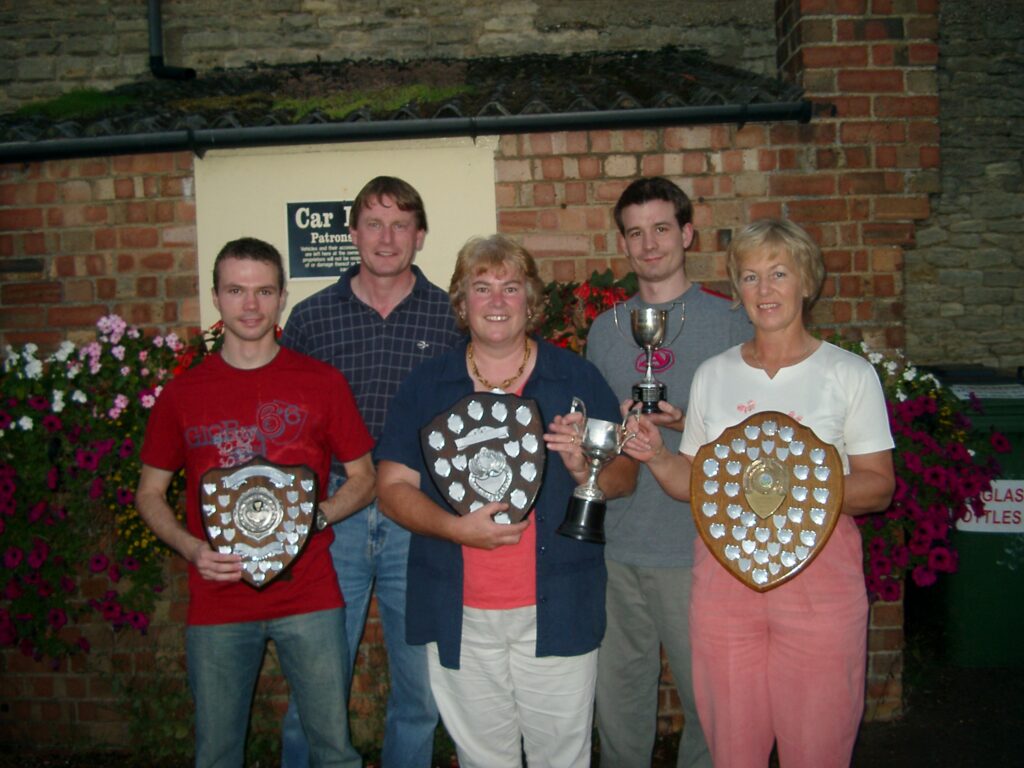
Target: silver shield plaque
x,y
262,512
765,497
487,447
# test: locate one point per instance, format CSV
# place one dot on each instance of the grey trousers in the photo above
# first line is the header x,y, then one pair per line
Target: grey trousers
x,y
647,608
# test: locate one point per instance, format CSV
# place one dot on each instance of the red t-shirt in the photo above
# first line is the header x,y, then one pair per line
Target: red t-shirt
x,y
294,410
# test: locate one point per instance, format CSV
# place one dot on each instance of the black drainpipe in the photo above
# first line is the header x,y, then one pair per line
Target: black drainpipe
x,y
156,48
200,141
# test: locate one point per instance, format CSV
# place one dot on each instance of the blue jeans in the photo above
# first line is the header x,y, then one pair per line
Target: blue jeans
x,y
368,550
223,665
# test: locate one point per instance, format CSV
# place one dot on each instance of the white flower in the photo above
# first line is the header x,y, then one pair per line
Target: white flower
x,y
29,351
79,396
33,369
25,423
909,373
890,367
875,358
58,400
900,395
64,351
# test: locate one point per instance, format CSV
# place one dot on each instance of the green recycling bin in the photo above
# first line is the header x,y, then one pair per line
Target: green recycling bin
x,y
985,597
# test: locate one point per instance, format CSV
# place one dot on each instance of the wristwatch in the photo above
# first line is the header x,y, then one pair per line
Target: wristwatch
x,y
320,521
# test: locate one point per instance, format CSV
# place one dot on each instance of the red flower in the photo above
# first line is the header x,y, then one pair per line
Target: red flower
x,y
1000,443
923,577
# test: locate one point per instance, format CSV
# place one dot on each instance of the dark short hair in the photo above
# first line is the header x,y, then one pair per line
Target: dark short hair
x,y
654,188
250,248
402,192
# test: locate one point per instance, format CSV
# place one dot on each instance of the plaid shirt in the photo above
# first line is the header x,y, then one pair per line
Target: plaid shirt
x,y
373,352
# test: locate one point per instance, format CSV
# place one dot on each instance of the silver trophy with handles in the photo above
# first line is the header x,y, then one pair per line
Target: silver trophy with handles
x,y
649,326
601,441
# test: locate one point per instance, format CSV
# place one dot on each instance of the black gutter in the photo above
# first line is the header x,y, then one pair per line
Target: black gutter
x,y
200,141
156,48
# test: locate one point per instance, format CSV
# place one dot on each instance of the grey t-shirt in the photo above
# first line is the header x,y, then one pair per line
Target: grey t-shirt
x,y
649,528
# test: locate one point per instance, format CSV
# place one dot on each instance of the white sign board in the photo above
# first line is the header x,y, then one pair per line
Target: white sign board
x,y
1004,510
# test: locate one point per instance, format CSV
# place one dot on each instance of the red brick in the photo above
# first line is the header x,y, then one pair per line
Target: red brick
x,y
930,157
884,286
106,288
872,132
787,185
86,316
907,106
539,144
878,28
589,167
871,81
548,219
124,188
764,211
105,239
139,237
508,221
22,317
552,168
45,192
21,218
834,56
923,54
33,244
652,165
916,208
767,160
543,194
817,210
888,234
30,293
575,192
852,106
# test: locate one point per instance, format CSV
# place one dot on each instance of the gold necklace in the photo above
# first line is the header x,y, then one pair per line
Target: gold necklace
x,y
507,382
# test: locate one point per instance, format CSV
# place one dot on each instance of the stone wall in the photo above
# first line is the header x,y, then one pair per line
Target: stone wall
x,y
48,47
965,279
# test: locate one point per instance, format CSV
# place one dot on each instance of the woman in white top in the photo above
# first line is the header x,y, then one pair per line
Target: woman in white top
x,y
784,666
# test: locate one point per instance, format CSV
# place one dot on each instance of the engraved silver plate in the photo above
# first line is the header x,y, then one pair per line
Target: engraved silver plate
x,y
260,511
767,527
487,447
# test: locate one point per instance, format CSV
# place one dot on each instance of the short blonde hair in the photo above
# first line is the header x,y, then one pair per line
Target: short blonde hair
x,y
779,236
496,253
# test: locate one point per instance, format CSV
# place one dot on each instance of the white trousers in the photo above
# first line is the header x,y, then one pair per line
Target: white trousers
x,y
504,700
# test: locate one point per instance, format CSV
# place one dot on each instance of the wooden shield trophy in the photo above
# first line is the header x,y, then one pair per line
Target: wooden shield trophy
x,y
487,447
261,511
765,497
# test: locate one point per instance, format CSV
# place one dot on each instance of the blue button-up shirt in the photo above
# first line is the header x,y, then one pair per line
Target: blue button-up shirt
x,y
374,353
571,574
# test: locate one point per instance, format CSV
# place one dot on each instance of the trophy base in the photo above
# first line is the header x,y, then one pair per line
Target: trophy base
x,y
584,520
649,395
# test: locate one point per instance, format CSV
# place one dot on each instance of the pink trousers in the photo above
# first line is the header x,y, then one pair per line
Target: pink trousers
x,y
783,666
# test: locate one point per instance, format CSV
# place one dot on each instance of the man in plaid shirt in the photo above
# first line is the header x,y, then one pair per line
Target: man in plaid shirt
x,y
375,324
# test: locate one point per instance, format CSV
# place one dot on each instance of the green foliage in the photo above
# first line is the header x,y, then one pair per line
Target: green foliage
x,y
78,105
572,307
340,105
71,427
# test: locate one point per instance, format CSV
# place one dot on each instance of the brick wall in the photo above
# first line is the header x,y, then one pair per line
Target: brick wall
x,y
118,235
48,47
80,239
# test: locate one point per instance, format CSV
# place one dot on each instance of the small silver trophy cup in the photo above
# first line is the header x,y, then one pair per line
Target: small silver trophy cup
x,y
648,326
601,441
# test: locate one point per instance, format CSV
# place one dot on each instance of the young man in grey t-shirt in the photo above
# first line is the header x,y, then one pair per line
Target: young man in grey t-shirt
x,y
649,549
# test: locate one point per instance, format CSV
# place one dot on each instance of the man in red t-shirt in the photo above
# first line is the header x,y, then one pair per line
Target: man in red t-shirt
x,y
252,399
